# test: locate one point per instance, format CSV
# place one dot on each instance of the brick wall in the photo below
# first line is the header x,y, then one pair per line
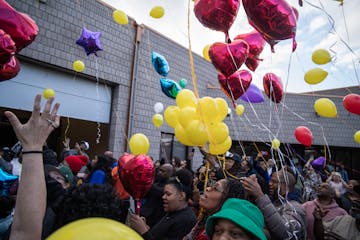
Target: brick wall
x,y
60,24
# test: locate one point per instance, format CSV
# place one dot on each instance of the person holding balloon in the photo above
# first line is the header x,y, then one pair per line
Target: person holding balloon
x,y
179,218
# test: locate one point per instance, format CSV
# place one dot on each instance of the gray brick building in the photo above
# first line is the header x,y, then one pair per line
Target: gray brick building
x,y
129,87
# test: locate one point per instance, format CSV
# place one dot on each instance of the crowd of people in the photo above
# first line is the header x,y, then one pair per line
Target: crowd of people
x,y
228,197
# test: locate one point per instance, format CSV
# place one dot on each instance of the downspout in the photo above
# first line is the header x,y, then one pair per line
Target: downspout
x,y
132,95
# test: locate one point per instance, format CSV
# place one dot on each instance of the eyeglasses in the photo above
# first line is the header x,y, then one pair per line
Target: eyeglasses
x,y
275,181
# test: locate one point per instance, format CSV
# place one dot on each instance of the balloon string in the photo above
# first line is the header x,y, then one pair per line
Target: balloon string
x,y
193,75
98,128
67,127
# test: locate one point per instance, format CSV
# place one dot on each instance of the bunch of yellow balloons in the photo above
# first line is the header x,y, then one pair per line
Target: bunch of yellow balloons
x,y
198,122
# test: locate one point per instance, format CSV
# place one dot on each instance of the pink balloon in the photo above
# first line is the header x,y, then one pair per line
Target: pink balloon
x,y
7,47
235,85
303,135
10,69
273,87
218,15
137,175
274,19
19,26
351,103
256,45
227,58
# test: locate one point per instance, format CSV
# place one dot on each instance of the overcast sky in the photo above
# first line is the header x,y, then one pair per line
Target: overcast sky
x,y
314,31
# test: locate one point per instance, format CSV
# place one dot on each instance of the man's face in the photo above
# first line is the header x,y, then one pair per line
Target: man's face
x,y
275,183
324,190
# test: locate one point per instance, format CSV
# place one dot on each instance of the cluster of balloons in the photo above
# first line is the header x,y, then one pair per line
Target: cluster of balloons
x,y
17,30
157,118
274,20
317,75
198,122
93,229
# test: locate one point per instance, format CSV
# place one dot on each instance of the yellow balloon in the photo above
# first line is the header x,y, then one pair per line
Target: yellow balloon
x,y
222,108
157,12
157,120
196,131
186,98
240,109
187,115
139,144
94,229
325,108
218,132
78,66
275,143
357,137
120,17
171,115
217,149
48,93
206,52
321,56
180,135
315,76
207,110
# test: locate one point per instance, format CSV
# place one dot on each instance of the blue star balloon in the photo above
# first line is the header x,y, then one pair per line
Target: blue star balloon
x,y
90,41
160,64
170,87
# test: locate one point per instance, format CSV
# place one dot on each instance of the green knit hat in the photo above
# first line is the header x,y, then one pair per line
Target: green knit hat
x,y
242,213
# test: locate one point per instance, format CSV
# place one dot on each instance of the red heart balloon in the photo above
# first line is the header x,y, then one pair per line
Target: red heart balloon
x,y
19,26
235,85
303,135
123,160
274,19
218,15
227,58
256,45
7,47
137,176
351,103
10,69
273,87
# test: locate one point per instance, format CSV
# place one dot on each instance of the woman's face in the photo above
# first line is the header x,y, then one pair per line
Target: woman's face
x,y
225,229
213,196
229,163
173,199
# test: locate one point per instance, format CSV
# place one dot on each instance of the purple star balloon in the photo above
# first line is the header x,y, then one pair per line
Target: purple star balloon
x,y
90,41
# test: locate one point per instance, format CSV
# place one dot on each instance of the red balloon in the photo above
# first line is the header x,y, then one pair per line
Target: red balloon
x,y
218,15
7,47
351,103
227,58
256,45
235,85
137,176
274,19
303,135
123,160
273,87
10,69
19,26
